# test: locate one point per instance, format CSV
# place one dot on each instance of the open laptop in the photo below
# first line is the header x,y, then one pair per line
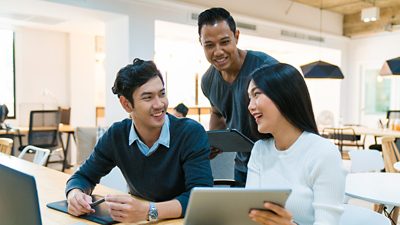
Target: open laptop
x,y
229,206
19,202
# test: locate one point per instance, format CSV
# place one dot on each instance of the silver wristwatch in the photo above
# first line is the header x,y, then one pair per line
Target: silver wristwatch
x,y
153,213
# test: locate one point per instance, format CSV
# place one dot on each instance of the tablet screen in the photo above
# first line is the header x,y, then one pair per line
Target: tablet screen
x,y
229,206
229,140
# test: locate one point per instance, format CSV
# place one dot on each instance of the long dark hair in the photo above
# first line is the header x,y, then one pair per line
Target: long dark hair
x,y
285,86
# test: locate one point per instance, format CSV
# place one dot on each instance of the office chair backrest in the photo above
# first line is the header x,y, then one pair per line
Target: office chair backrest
x,y
356,215
6,145
390,154
43,128
85,142
41,154
366,161
393,114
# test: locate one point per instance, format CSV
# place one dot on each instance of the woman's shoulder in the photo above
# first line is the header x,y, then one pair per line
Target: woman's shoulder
x,y
319,145
262,146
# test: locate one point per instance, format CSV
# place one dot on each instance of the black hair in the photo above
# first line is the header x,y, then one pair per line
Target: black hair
x,y
285,86
212,16
134,75
3,113
182,108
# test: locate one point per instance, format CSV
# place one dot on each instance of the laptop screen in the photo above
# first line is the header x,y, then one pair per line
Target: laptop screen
x,y
19,203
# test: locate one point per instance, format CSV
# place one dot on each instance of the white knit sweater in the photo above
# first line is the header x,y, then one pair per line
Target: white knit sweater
x,y
311,167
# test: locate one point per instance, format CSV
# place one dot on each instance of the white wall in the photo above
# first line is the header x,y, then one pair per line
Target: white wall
x,y
133,36
82,79
117,56
369,52
41,70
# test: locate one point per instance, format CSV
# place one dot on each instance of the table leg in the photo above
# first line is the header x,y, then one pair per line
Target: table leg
x,y
392,214
65,149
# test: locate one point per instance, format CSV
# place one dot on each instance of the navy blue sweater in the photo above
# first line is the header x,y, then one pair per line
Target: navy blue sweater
x,y
168,173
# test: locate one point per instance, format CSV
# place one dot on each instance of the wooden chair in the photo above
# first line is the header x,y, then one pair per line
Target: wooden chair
x,y
344,136
390,155
6,145
65,115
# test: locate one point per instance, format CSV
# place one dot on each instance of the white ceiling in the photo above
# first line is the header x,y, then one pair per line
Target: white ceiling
x,y
52,16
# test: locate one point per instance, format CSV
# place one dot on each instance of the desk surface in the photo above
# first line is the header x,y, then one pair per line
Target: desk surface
x,y
376,132
24,130
51,186
360,130
381,188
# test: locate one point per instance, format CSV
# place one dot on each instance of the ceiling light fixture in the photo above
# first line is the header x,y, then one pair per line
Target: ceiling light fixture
x,y
321,69
370,14
391,67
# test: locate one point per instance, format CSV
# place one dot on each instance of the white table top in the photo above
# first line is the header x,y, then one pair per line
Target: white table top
x,y
381,188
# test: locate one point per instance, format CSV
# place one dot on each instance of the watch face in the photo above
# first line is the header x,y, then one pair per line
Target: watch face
x,y
153,213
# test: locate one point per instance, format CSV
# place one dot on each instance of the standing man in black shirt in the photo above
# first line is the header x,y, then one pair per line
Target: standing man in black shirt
x,y
225,82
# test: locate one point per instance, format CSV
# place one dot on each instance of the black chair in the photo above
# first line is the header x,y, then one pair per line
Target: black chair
x,y
391,115
43,131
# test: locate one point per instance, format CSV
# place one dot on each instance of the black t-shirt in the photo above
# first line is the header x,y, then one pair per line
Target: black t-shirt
x,y
229,99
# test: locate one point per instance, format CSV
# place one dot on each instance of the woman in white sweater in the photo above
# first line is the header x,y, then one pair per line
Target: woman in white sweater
x,y
290,152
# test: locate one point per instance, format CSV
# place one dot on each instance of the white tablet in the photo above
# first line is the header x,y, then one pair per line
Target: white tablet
x,y
229,140
229,206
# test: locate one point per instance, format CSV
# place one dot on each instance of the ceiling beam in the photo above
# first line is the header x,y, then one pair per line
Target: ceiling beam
x,y
353,26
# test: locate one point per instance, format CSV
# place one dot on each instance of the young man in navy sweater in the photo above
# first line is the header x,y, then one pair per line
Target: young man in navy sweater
x,y
161,157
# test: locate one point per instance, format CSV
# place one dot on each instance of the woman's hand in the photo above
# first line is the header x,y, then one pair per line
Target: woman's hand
x,y
125,208
272,215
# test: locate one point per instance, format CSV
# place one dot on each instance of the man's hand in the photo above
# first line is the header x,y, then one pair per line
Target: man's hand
x,y
214,152
126,209
78,203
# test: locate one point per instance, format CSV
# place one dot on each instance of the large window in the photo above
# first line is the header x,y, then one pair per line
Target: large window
x,y
376,92
7,75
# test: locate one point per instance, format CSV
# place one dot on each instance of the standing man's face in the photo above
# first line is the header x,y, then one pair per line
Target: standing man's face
x,y
219,45
150,105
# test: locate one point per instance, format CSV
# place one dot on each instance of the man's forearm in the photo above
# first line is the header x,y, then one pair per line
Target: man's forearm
x,y
217,122
169,209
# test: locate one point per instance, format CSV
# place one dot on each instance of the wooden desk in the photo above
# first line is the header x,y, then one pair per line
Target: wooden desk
x,y
63,129
376,132
51,186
